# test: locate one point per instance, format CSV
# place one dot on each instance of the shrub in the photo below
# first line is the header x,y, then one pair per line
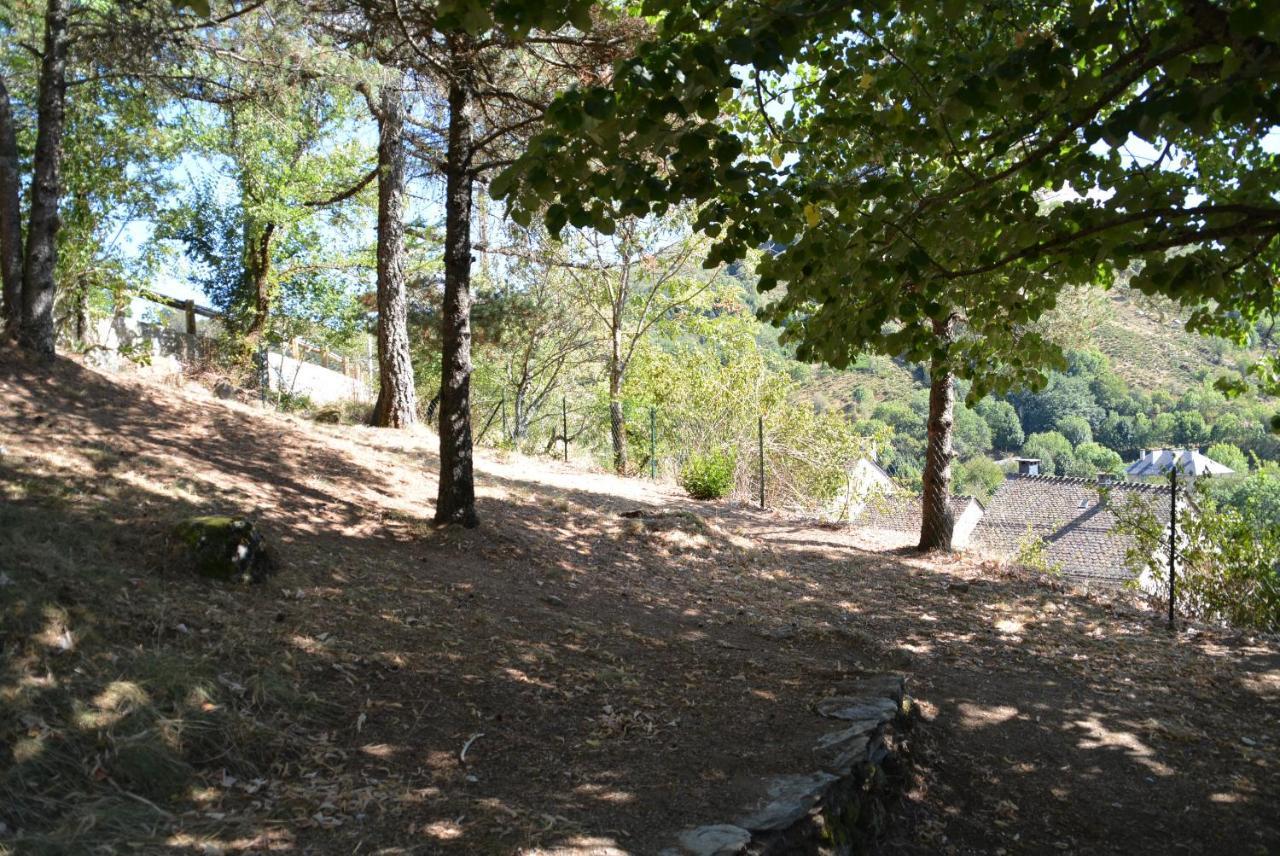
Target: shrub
x,y
343,413
1033,554
978,477
1099,459
1229,455
1075,429
1230,569
708,475
1053,450
1002,419
1227,571
288,401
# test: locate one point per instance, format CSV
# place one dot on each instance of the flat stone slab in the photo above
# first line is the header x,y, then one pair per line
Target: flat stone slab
x,y
790,798
842,750
720,839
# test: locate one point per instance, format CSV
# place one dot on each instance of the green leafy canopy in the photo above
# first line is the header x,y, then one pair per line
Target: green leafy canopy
x,y
910,162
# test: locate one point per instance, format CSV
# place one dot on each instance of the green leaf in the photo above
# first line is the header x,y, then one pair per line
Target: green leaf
x,y
555,218
599,104
503,183
740,49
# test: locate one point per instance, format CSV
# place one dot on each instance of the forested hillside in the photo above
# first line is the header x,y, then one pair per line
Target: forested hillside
x,y
1136,379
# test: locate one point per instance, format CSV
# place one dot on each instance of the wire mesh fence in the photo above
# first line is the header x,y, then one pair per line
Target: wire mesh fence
x,y
780,458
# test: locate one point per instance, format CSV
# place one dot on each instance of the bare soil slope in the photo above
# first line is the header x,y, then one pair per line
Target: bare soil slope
x,y
560,680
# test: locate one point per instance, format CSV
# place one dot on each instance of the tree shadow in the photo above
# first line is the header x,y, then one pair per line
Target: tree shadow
x,y
610,681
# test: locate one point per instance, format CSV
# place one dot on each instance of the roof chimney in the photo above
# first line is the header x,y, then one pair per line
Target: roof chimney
x,y
1106,479
1028,466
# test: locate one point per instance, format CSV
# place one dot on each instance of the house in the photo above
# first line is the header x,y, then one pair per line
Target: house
x,y
864,479
896,518
1188,462
1074,518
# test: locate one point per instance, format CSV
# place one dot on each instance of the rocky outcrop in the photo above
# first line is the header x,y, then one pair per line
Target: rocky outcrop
x,y
222,548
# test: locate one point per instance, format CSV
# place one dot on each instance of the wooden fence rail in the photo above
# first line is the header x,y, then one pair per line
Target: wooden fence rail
x,y
297,348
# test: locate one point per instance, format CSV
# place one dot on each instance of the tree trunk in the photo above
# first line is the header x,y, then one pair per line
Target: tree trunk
x,y
258,275
82,312
10,218
519,412
397,405
617,423
936,518
38,275
456,502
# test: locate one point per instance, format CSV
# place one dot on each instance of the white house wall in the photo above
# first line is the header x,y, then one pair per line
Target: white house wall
x,y
965,523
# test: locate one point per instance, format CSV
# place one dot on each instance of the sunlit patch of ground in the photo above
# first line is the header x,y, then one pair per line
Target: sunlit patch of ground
x,y
562,680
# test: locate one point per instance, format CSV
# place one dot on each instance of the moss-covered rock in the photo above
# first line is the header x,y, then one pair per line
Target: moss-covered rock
x,y
223,548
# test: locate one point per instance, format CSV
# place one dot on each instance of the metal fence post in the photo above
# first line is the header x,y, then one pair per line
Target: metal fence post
x,y
264,372
564,415
1173,535
653,443
761,444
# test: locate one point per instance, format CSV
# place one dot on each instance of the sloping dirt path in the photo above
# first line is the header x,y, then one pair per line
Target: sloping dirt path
x,y
612,681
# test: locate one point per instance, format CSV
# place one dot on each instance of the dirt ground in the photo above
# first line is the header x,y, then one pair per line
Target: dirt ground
x,y
560,680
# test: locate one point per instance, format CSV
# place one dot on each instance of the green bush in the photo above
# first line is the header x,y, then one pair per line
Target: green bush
x,y
1231,456
1075,428
293,402
708,475
978,477
1033,554
1099,459
343,413
1228,570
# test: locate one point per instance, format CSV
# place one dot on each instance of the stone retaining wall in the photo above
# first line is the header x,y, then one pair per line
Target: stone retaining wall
x,y
836,805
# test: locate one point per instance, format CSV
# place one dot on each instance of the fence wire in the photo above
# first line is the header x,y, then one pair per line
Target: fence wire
x,y
772,461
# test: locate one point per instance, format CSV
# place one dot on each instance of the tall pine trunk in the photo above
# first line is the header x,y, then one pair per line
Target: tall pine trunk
x,y
456,502
617,421
38,276
397,405
937,521
10,218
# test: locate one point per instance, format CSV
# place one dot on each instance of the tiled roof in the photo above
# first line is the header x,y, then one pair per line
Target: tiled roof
x,y
901,512
1066,513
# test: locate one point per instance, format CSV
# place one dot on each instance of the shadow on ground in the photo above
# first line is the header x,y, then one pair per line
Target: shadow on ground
x,y
611,680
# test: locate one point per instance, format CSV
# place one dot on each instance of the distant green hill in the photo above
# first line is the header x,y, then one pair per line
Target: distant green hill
x,y
1145,340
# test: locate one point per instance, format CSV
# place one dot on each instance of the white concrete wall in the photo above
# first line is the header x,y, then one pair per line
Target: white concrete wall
x,y
122,341
160,333
321,385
